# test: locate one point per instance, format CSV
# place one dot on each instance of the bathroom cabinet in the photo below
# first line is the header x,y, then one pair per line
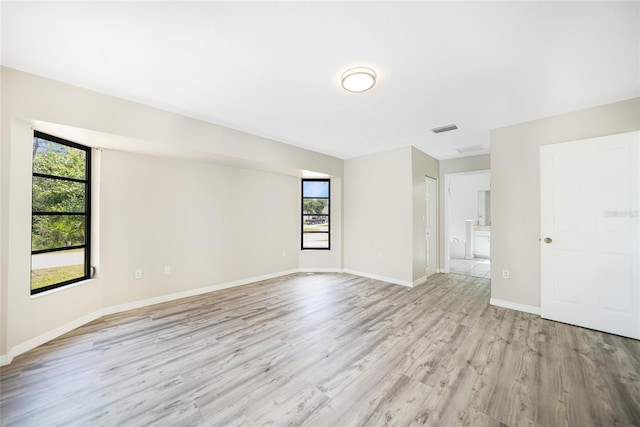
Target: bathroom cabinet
x,y
482,243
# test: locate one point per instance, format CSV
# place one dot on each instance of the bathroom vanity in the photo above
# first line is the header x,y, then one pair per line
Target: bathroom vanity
x,y
482,231
482,241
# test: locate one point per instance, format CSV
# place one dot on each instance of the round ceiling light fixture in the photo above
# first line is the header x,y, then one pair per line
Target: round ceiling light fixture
x,y
358,79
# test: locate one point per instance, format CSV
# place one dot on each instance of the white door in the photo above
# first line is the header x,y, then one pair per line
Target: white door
x,y
431,224
590,235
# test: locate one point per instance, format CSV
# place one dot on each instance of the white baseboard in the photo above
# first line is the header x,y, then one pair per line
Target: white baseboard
x,y
515,306
382,278
23,347
420,281
320,270
192,292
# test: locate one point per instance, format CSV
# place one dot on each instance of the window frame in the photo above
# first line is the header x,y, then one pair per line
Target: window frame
x,y
302,214
87,181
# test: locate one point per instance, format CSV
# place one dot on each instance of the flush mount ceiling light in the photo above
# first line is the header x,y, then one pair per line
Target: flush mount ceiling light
x,y
358,79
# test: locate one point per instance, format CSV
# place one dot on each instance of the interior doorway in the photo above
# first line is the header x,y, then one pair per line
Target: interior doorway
x,y
467,223
431,225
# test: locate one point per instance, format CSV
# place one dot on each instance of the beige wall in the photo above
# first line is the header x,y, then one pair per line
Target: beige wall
x,y
384,205
515,190
378,215
422,165
212,223
465,164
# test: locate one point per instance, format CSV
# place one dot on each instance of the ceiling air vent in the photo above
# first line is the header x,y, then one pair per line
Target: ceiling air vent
x,y
446,128
469,148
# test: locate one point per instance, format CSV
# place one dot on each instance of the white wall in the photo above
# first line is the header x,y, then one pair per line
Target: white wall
x,y
463,199
204,219
515,192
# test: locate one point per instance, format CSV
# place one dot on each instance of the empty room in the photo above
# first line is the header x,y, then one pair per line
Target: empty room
x,y
320,213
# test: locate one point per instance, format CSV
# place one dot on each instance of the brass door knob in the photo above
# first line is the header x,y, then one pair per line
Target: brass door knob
x,y
548,240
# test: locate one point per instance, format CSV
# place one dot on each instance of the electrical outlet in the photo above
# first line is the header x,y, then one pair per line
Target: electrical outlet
x,y
167,269
138,274
505,274
284,252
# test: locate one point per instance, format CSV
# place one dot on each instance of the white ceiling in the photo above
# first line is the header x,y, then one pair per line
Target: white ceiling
x,y
272,69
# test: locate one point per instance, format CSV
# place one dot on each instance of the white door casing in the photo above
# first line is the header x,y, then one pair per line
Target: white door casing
x,y
590,234
431,224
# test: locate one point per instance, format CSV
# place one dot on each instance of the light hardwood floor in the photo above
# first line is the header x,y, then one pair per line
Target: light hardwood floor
x,y
327,350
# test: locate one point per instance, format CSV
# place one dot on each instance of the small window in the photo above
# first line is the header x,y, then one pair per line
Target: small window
x,y
61,213
315,214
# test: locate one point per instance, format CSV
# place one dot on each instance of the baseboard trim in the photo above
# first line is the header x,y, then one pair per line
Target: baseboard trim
x,y
23,347
420,281
320,270
32,343
515,306
192,292
382,278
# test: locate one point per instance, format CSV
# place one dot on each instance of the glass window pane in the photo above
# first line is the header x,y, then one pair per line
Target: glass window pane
x,y
315,206
315,240
315,223
60,160
315,189
48,232
55,267
55,195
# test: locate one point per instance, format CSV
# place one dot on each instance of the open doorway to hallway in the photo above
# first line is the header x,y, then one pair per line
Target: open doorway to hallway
x,y
468,223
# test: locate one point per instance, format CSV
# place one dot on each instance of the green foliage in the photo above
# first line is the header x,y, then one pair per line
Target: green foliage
x,y
314,206
55,195
51,158
56,231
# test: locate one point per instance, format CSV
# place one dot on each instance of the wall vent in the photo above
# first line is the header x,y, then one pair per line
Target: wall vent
x,y
446,128
469,148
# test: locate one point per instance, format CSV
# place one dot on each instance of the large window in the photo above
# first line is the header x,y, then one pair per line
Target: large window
x,y
61,213
315,214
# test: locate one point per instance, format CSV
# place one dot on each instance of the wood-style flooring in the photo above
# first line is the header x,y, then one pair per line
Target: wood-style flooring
x,y
327,350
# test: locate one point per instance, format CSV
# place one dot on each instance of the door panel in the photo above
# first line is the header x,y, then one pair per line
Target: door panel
x,y
617,272
589,209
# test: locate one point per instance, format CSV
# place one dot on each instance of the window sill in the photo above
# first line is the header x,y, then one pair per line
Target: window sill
x,y
63,288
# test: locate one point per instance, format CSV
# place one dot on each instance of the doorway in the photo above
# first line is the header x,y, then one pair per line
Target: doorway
x,y
467,223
